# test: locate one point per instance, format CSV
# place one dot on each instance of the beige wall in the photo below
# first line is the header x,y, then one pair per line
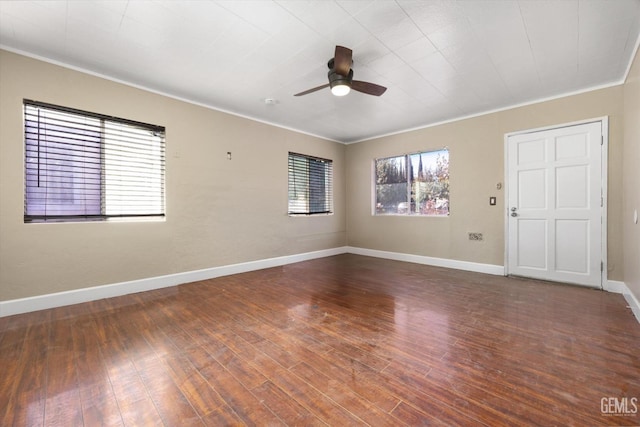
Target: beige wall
x,y
631,178
476,150
219,211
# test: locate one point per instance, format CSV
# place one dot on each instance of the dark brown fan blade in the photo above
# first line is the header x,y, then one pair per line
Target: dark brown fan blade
x,y
311,90
368,88
342,60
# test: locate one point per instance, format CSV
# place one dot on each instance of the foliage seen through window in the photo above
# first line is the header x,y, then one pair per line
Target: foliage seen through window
x,y
413,184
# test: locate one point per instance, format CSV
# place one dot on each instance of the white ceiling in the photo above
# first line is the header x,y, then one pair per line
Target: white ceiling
x,y
439,59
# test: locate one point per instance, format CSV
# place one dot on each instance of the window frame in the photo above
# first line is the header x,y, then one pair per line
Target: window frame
x,y
407,179
84,140
302,204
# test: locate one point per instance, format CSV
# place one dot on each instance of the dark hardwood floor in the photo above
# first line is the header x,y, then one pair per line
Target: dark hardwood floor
x,y
340,341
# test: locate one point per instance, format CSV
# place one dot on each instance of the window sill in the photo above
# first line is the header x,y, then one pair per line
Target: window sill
x,y
411,216
301,215
127,219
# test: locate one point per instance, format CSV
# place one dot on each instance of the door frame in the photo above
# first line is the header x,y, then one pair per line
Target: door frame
x,y
604,122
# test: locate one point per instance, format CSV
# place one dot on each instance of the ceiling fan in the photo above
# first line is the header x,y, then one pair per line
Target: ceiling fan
x,y
341,77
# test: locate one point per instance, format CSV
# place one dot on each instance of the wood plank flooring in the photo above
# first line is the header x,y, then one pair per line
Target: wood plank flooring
x,y
339,341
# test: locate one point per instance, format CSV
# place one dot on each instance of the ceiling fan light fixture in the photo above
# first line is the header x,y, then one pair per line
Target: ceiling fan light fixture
x,y
340,85
340,89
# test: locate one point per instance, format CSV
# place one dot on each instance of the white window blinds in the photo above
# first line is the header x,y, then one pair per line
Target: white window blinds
x,y
87,166
310,185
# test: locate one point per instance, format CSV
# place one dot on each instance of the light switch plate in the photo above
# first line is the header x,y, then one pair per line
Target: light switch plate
x,y
492,201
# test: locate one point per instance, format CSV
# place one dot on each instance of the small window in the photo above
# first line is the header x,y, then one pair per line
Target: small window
x,y
310,185
84,166
413,184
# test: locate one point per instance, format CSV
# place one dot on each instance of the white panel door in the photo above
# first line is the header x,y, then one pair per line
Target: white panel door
x,y
554,204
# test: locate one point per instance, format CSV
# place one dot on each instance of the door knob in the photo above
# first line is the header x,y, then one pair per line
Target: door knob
x,y
514,214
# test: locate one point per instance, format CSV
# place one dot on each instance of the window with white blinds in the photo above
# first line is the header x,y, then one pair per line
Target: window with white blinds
x,y
85,166
310,185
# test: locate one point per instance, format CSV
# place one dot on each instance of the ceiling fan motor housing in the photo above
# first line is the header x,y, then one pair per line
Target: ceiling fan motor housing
x,y
336,79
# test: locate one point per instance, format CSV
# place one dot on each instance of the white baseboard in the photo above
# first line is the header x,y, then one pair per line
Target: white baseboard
x,y
59,299
615,287
634,304
497,270
621,288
